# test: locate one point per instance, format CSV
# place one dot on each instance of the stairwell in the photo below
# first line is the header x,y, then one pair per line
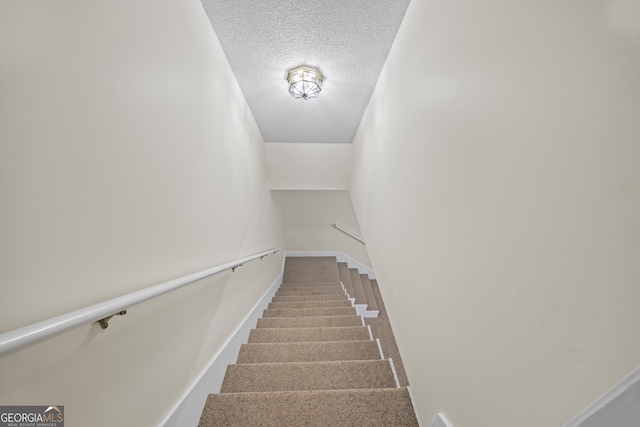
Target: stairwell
x,y
312,360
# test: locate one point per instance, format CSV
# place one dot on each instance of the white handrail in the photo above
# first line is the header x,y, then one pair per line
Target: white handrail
x,y
29,334
347,232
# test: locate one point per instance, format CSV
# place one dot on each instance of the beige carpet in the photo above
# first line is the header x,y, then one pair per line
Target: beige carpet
x,y
381,329
311,361
314,270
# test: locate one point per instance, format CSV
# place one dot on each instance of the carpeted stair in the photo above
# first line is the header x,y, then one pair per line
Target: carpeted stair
x,y
311,360
360,290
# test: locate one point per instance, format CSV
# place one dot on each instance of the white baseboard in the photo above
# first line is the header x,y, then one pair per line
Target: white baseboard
x,y
361,309
395,374
619,407
441,421
188,409
415,408
380,348
341,257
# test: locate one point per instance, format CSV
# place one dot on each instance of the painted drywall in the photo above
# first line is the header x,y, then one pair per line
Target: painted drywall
x,y
496,181
308,166
617,407
307,216
188,409
128,157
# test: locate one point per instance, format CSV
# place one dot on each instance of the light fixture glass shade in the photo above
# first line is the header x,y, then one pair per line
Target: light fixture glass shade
x,y
304,82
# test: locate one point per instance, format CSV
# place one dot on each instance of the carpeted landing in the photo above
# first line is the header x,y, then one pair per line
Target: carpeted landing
x,y
311,360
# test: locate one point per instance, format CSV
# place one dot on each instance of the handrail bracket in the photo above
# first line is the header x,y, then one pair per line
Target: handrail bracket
x,y
104,322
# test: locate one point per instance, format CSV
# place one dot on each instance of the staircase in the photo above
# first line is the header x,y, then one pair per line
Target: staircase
x,y
312,360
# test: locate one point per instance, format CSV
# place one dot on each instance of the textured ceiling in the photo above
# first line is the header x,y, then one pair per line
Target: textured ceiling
x,y
348,41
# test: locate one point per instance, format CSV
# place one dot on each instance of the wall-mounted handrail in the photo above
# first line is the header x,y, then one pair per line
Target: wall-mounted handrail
x,y
348,233
38,331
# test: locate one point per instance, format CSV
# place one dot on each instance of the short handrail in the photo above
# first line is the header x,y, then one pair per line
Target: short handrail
x,y
348,233
26,335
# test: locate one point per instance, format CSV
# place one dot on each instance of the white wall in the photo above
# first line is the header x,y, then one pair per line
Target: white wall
x,y
496,181
307,216
308,166
128,157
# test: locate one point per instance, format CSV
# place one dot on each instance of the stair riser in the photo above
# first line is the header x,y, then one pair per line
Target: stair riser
x,y
307,287
334,297
309,312
342,333
309,292
310,304
312,291
308,352
310,322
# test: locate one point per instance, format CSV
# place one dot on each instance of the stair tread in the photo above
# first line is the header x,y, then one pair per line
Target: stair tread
x,y
310,322
311,270
341,333
373,407
324,375
308,312
308,351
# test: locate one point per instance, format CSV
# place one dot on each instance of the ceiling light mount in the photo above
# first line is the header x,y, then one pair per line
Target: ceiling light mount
x,y
304,82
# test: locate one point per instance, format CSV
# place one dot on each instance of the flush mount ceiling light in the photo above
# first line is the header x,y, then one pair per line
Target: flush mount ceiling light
x,y
304,82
